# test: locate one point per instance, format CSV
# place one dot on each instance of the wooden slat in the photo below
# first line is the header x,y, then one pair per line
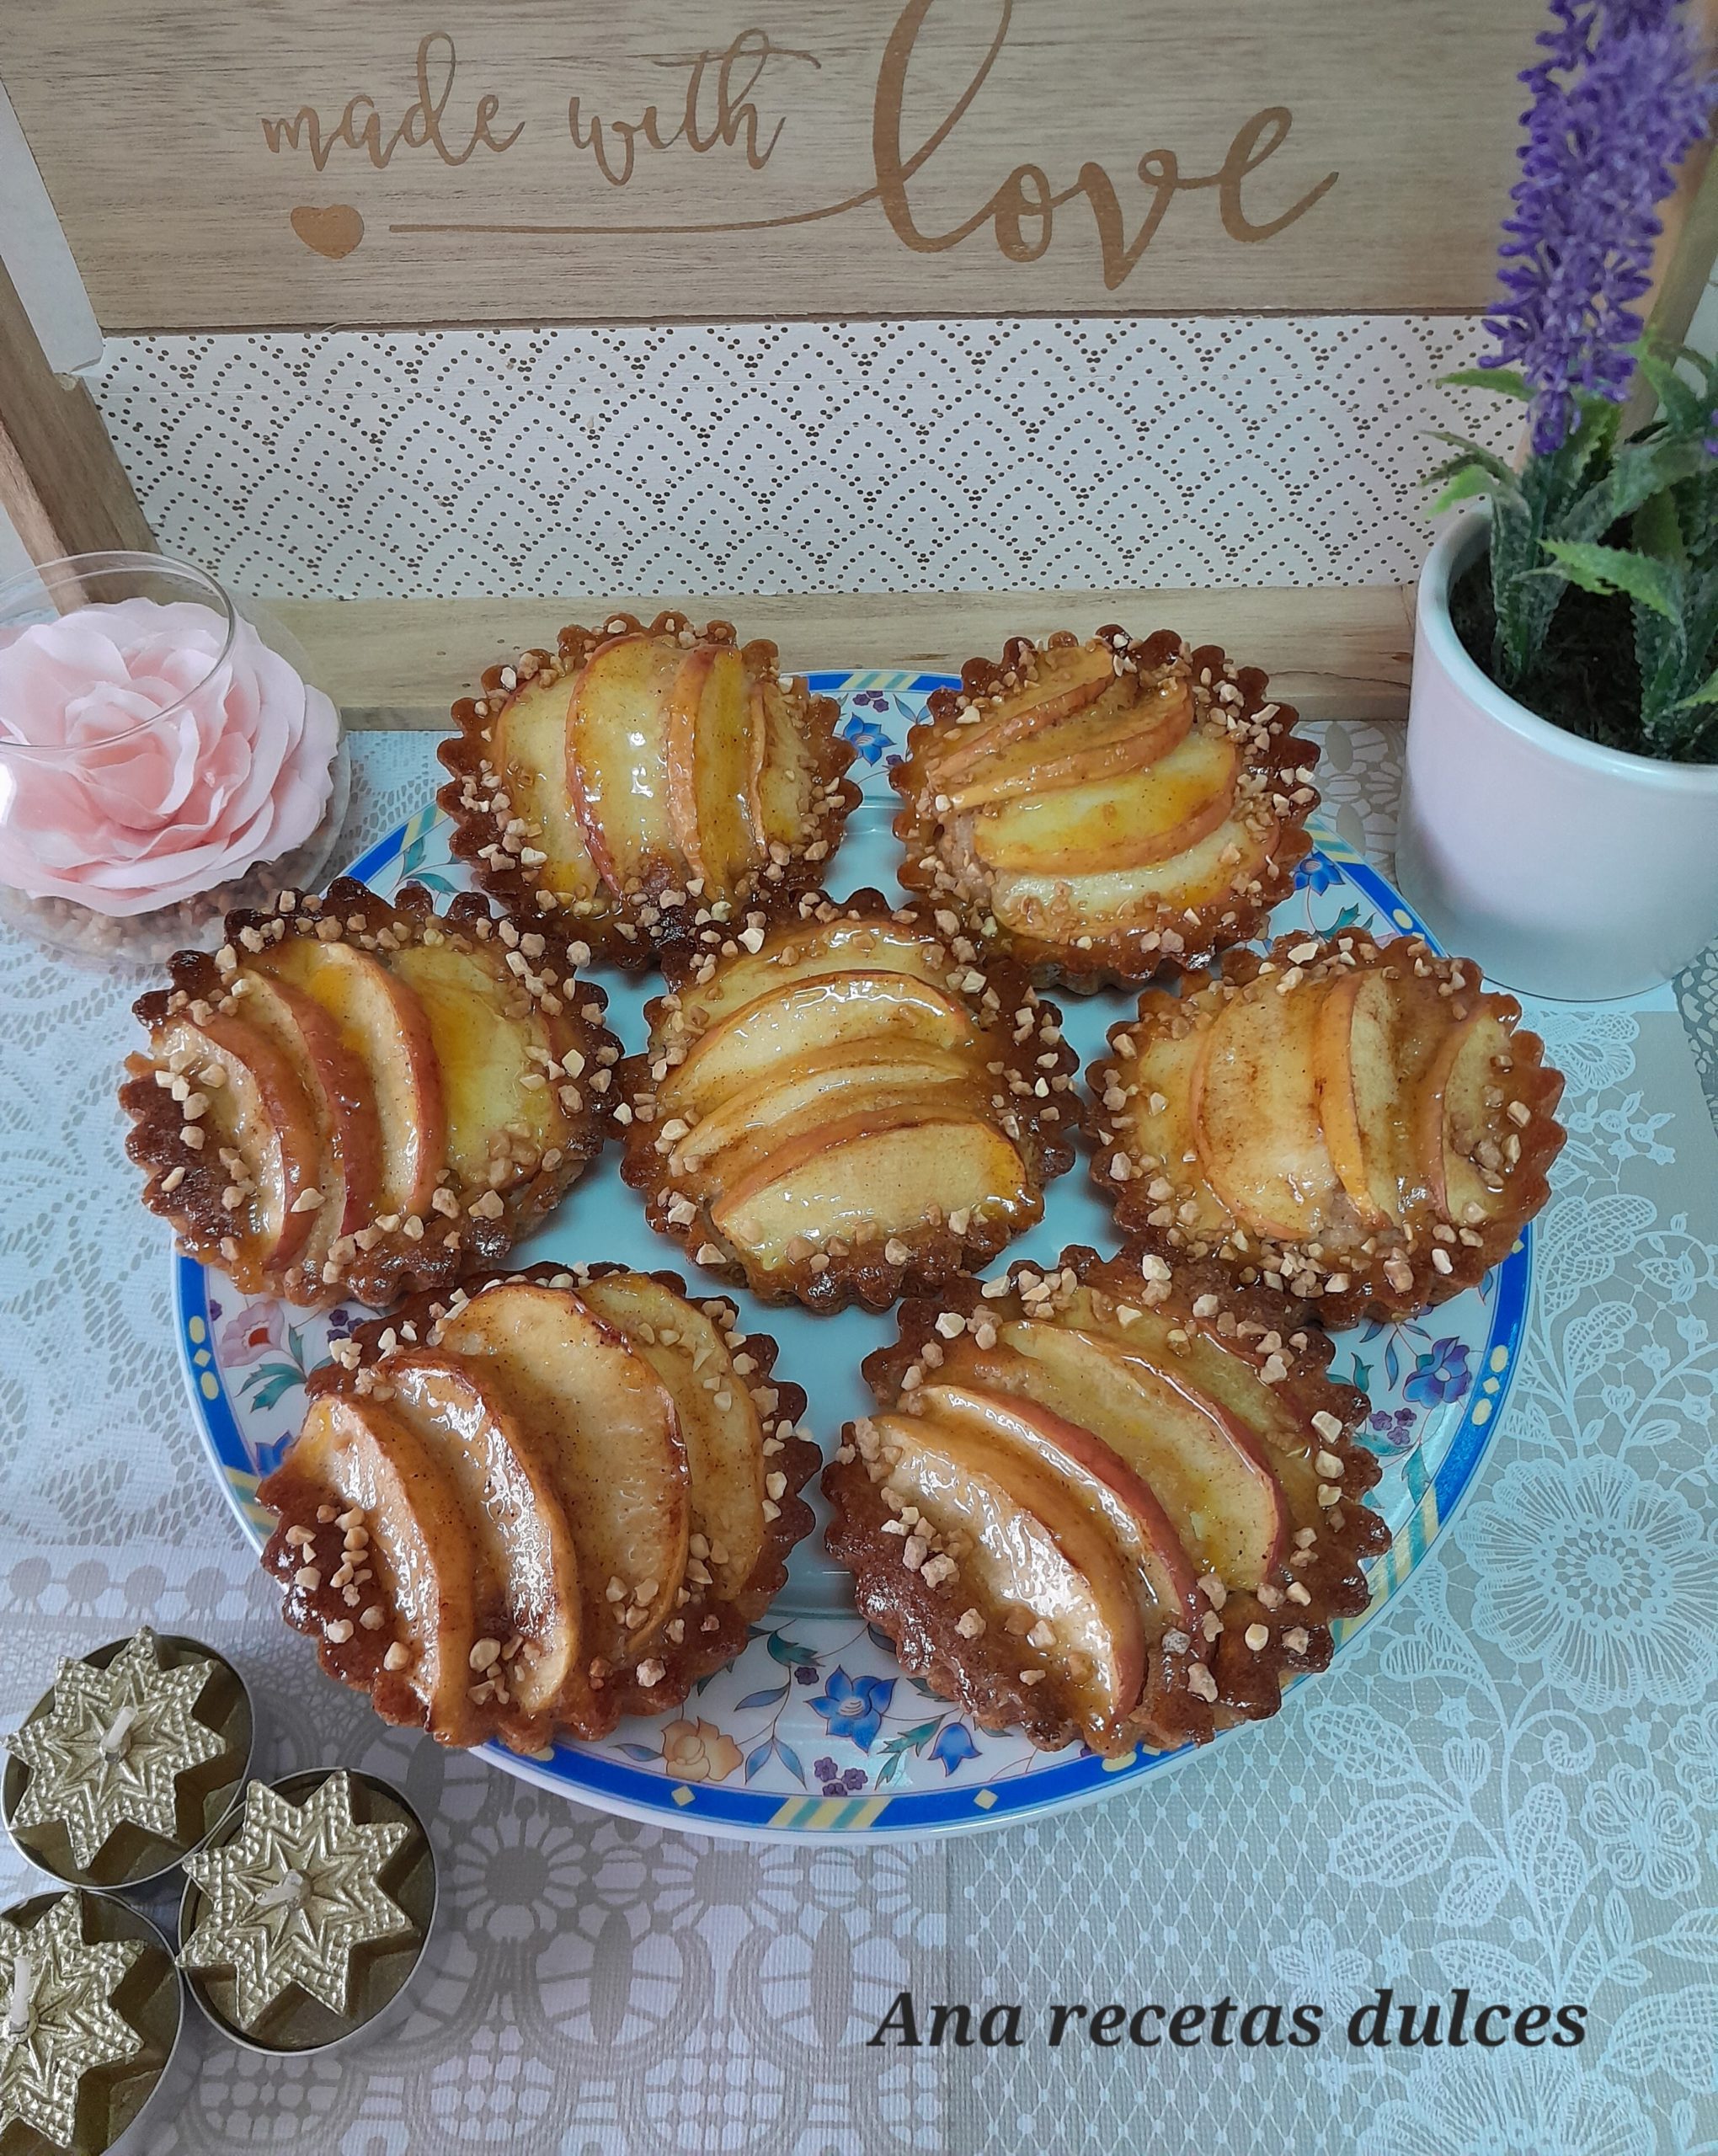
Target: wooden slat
x,y
61,483
1335,652
225,164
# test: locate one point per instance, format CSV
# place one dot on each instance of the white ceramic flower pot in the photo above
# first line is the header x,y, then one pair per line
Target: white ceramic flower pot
x,y
1567,870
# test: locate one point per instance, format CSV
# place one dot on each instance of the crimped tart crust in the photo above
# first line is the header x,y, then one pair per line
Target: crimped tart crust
x,y
303,1199
533,834
1002,761
1008,1075
1369,1127
375,1641
1221,1653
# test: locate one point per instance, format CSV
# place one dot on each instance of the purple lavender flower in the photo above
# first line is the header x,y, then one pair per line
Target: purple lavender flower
x,y
1619,100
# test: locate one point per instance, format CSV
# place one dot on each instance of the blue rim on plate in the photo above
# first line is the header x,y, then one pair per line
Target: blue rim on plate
x,y
891,1759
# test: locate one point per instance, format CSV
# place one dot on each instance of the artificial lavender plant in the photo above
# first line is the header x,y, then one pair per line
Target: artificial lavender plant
x,y
1619,99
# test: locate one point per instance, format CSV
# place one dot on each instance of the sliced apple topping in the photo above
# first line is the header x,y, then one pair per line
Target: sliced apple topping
x,y
1102,810
1358,1121
1125,729
384,1027
711,770
719,1420
837,1098
492,1043
868,1177
1026,1545
1051,685
528,741
1255,1114
608,1427
1133,819
520,1538
241,1096
390,1503
637,776
1104,1466
358,1098
565,1497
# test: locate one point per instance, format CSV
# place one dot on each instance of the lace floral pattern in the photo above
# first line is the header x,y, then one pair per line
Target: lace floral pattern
x,y
1525,1748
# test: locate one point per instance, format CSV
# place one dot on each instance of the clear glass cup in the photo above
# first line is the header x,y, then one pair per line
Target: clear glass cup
x,y
75,800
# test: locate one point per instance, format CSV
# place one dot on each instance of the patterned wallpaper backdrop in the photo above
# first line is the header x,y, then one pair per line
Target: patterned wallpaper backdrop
x,y
873,457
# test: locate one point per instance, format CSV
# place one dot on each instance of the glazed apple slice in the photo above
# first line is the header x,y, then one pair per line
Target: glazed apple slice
x,y
867,1176
617,758
385,1027
1223,862
1132,820
356,1454
528,747
783,785
1157,1126
1104,1483
1214,1372
713,766
600,1417
777,1031
489,1040
1452,1120
1208,1471
1254,1112
724,1440
257,1107
1066,681
1354,1070
347,1126
512,1512
834,1082
1033,1549
808,951
1119,733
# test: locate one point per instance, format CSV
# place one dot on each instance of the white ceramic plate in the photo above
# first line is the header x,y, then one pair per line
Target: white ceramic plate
x,y
816,1729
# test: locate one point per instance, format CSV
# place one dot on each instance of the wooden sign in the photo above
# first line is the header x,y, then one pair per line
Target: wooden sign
x,y
224,163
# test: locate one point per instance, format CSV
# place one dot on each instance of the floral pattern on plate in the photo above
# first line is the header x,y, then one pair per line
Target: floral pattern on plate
x,y
815,1728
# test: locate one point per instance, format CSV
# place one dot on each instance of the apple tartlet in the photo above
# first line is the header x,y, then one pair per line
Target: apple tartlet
x,y
1107,810
1117,1501
356,1098
552,1498
1353,1121
838,1101
634,779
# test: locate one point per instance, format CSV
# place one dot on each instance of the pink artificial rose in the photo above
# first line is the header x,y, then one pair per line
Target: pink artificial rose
x,y
122,814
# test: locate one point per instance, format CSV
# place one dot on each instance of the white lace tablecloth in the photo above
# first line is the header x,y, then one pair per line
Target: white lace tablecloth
x,y
1511,1784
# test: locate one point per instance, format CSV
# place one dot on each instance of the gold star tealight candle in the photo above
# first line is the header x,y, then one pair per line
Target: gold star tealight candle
x,y
90,2013
131,1760
307,1913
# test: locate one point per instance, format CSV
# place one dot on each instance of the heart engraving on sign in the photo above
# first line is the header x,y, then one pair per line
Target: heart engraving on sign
x,y
334,231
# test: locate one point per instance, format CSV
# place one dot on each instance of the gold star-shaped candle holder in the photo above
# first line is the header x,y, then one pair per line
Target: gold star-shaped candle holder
x,y
90,2016
308,1912
129,1761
